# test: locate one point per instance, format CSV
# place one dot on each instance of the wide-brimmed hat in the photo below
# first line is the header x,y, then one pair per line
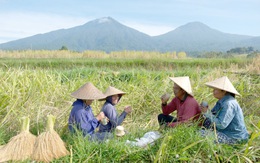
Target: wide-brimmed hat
x,y
184,83
223,83
113,91
120,131
88,92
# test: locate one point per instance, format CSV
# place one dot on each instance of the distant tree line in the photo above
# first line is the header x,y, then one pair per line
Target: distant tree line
x,y
213,54
241,50
249,51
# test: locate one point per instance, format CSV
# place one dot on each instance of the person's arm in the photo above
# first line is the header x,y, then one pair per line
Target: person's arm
x,y
224,117
121,118
111,114
169,108
87,123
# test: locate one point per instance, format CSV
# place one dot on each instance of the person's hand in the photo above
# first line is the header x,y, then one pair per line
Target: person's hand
x,y
204,107
165,97
105,120
100,116
128,109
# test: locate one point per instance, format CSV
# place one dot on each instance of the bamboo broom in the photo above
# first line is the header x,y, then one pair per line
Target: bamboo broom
x,y
19,147
49,145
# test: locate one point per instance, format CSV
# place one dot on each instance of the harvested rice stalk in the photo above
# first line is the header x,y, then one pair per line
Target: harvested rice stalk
x,y
49,145
19,147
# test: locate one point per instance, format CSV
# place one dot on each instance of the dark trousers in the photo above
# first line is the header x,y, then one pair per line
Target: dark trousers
x,y
164,119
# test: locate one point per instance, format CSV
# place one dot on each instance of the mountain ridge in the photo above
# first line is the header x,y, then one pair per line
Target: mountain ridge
x,y
108,35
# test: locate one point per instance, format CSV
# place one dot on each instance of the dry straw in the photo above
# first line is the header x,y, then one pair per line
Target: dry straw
x,y
19,147
49,145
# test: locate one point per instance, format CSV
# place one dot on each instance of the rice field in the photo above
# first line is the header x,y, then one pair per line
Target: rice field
x,y
39,83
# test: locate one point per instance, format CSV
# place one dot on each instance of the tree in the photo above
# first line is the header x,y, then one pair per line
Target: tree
x,y
181,55
64,48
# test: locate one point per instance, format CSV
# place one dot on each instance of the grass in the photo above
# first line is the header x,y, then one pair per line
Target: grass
x,y
37,87
115,63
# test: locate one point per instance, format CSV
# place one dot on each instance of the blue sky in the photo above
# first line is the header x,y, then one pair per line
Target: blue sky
x,y
24,18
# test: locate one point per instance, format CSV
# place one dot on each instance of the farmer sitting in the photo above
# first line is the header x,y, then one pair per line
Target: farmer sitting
x,y
81,116
113,95
187,107
227,115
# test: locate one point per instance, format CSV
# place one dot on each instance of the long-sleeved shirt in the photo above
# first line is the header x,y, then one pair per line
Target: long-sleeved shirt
x,y
229,118
114,120
82,117
186,110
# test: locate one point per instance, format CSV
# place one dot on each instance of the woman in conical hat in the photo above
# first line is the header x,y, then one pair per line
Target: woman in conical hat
x,y
187,107
226,114
113,95
81,117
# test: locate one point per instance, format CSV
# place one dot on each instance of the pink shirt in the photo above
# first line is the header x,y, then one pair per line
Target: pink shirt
x,y
186,110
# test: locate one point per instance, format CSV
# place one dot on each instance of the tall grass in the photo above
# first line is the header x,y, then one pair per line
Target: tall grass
x,y
38,87
185,65
86,54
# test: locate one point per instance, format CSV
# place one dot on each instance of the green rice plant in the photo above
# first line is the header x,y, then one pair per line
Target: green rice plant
x,y
38,87
251,151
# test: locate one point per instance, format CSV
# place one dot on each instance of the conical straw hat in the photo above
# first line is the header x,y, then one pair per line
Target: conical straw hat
x,y
113,91
88,92
223,83
184,83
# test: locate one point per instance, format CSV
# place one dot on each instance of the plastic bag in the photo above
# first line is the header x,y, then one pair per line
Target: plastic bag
x,y
148,138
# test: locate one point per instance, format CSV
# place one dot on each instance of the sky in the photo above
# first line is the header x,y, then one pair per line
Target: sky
x,y
24,18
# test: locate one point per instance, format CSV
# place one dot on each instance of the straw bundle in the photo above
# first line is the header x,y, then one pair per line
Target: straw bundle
x,y
19,147
49,145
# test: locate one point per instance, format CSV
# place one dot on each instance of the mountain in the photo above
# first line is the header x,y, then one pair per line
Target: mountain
x,y
254,42
104,34
108,35
197,36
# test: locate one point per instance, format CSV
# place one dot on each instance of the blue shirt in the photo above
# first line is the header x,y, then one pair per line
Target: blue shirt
x,y
82,118
229,119
114,120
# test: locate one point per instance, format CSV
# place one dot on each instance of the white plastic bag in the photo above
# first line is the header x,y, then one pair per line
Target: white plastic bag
x,y
148,138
